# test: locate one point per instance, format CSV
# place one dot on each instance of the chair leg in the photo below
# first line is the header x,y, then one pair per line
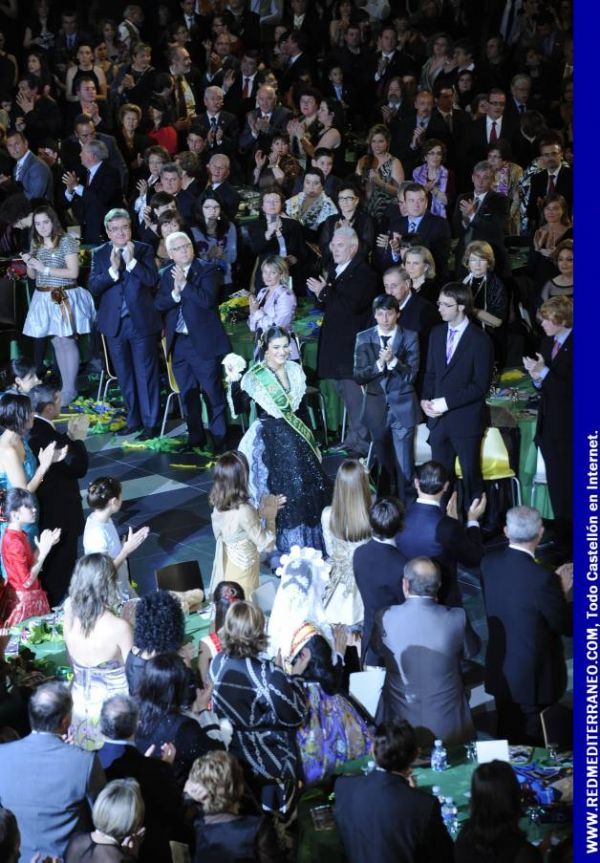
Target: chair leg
x,y
106,386
344,420
100,385
166,413
369,454
516,487
324,419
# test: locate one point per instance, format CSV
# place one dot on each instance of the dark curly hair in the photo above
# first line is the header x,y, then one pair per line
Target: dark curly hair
x,y
159,623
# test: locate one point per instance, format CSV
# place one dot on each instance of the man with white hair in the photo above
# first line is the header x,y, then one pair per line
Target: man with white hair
x,y
527,614
346,296
219,127
97,190
188,297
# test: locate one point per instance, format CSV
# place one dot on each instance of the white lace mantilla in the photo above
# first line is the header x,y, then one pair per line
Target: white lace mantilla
x,y
256,391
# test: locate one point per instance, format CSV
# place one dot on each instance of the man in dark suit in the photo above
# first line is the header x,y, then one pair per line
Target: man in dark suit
x,y
391,61
121,760
188,297
433,231
379,570
346,297
527,614
262,123
386,362
552,374
487,130
84,132
40,114
171,182
356,62
48,784
59,497
416,314
481,215
555,179
432,531
416,128
220,127
219,167
457,378
123,280
244,24
299,63
457,122
30,172
424,644
241,85
100,191
382,817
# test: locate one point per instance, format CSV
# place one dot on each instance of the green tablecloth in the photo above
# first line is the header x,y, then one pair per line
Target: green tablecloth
x,y
55,651
454,782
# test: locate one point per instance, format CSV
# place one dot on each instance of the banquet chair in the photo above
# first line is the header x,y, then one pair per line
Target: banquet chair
x,y
365,687
495,463
264,596
540,476
173,389
107,374
557,726
185,575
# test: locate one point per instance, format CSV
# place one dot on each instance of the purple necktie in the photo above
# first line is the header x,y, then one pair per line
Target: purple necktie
x,y
450,344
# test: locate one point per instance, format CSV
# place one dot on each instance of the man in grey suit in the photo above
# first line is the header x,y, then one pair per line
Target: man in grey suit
x,y
32,173
386,363
48,784
423,644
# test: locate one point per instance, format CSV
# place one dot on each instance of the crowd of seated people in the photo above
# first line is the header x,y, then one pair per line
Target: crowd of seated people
x,y
413,165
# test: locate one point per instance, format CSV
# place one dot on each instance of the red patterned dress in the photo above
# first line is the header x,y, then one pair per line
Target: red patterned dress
x,y
17,602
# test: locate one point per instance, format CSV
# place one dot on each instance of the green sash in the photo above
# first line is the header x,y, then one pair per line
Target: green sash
x,y
272,386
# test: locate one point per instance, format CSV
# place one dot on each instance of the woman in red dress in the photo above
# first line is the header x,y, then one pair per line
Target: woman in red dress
x,y
23,596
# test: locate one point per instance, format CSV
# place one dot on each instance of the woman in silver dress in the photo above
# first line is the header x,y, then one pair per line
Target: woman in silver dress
x,y
59,308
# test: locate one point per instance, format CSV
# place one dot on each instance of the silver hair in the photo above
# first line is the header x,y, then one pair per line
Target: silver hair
x,y
119,809
423,576
523,523
347,232
176,235
98,149
482,166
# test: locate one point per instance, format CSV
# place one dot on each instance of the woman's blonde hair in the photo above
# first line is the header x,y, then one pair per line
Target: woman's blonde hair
x,y
93,589
480,249
279,264
244,630
351,502
217,781
427,258
119,809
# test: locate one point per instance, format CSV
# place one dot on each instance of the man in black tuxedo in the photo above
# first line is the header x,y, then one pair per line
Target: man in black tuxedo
x,y
188,298
457,122
433,231
416,314
432,531
457,378
93,196
59,496
382,817
552,374
121,760
555,179
386,361
346,297
527,614
241,86
185,200
481,215
379,570
84,132
356,61
123,280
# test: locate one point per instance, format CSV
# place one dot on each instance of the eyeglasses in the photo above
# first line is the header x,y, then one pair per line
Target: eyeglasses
x,y
180,248
445,305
